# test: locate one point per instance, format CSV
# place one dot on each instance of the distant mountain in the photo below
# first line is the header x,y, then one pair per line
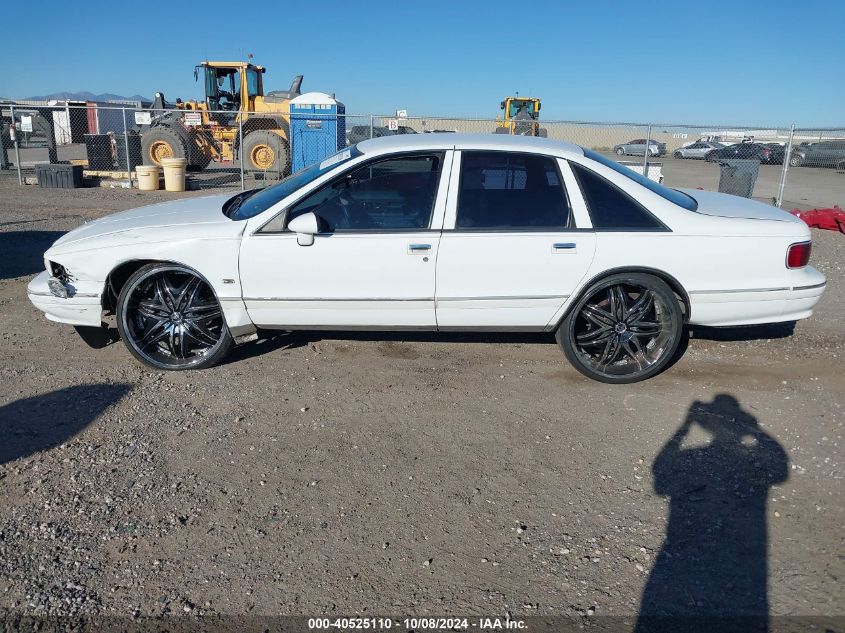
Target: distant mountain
x,y
85,96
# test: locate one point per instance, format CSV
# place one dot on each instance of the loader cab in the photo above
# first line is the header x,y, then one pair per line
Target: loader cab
x,y
513,105
231,86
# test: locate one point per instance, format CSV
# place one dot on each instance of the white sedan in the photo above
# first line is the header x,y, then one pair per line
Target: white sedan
x,y
437,232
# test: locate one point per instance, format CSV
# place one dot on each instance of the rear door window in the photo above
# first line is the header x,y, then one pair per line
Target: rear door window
x,y
508,191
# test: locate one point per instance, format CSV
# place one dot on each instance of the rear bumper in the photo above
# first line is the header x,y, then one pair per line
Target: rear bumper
x,y
83,308
756,306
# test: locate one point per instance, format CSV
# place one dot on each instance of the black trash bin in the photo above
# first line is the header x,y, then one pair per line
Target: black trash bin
x,y
738,176
98,149
134,150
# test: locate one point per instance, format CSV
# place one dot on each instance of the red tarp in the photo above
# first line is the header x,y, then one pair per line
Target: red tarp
x,y
830,219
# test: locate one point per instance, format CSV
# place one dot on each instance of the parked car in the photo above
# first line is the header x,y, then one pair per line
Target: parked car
x,y
770,154
821,154
358,133
637,148
519,233
699,149
710,138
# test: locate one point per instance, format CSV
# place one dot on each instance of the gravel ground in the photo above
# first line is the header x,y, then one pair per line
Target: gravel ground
x,y
392,474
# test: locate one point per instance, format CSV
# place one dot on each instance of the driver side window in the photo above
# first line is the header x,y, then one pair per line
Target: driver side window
x,y
393,194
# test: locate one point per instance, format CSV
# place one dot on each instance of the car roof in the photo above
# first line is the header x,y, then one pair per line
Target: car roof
x,y
450,140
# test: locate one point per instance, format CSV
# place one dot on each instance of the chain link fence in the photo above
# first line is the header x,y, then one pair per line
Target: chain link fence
x,y
800,167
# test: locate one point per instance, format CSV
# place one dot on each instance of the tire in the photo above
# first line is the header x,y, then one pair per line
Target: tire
x,y
710,157
624,328
677,155
169,318
162,142
620,151
266,151
795,160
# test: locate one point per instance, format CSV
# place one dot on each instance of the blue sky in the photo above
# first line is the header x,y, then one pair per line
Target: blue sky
x,y
771,63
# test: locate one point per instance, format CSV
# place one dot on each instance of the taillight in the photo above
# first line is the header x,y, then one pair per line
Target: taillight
x,y
798,255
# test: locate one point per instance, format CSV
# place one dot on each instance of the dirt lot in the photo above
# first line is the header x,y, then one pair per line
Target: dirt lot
x,y
380,474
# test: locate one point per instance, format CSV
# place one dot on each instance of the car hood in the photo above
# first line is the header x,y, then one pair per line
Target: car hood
x,y
204,213
728,206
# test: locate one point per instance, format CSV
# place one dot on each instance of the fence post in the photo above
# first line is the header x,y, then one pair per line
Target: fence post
x,y
645,153
241,148
371,126
17,148
126,143
785,169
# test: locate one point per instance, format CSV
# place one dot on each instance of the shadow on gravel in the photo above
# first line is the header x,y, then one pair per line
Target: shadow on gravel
x,y
31,425
744,333
711,573
23,252
272,341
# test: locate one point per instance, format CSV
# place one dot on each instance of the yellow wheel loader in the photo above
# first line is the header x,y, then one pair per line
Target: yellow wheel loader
x,y
210,130
521,116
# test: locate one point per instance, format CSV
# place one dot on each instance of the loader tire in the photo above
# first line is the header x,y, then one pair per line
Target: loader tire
x,y
161,142
266,151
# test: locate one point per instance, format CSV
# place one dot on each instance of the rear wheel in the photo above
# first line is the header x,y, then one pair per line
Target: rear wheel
x,y
169,318
265,151
624,329
159,143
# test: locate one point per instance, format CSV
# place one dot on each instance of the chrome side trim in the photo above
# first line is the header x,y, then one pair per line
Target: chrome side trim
x,y
353,328
732,291
76,295
491,328
821,285
482,298
503,298
295,299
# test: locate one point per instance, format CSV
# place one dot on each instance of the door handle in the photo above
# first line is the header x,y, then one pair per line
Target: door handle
x,y
562,247
419,248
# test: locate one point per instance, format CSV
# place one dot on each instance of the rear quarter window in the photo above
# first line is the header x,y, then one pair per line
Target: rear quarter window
x,y
611,208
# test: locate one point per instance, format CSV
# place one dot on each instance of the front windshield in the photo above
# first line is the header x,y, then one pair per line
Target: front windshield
x,y
672,195
250,203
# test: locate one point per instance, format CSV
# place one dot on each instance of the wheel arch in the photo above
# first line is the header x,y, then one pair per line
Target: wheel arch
x,y
671,281
258,122
120,274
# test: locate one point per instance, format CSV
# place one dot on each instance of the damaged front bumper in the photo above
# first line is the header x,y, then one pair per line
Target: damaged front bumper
x,y
65,302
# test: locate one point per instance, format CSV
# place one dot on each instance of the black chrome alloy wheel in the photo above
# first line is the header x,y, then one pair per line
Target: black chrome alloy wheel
x,y
624,329
169,318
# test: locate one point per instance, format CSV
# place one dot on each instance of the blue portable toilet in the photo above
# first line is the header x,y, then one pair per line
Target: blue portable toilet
x,y
317,128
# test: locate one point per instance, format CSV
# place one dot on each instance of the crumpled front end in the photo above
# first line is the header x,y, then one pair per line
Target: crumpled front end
x,y
66,300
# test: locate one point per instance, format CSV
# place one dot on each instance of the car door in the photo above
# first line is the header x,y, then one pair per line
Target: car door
x,y
511,251
696,150
372,263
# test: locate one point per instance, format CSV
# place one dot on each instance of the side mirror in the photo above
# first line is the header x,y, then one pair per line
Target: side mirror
x,y
306,226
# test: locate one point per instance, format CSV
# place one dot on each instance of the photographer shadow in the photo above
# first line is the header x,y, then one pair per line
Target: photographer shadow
x,y
711,573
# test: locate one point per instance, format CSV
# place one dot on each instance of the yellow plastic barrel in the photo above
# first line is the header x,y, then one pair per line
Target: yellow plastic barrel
x,y
147,177
174,173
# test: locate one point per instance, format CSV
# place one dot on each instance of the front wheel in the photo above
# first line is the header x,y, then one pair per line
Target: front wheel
x,y
795,161
624,329
620,151
677,155
169,318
